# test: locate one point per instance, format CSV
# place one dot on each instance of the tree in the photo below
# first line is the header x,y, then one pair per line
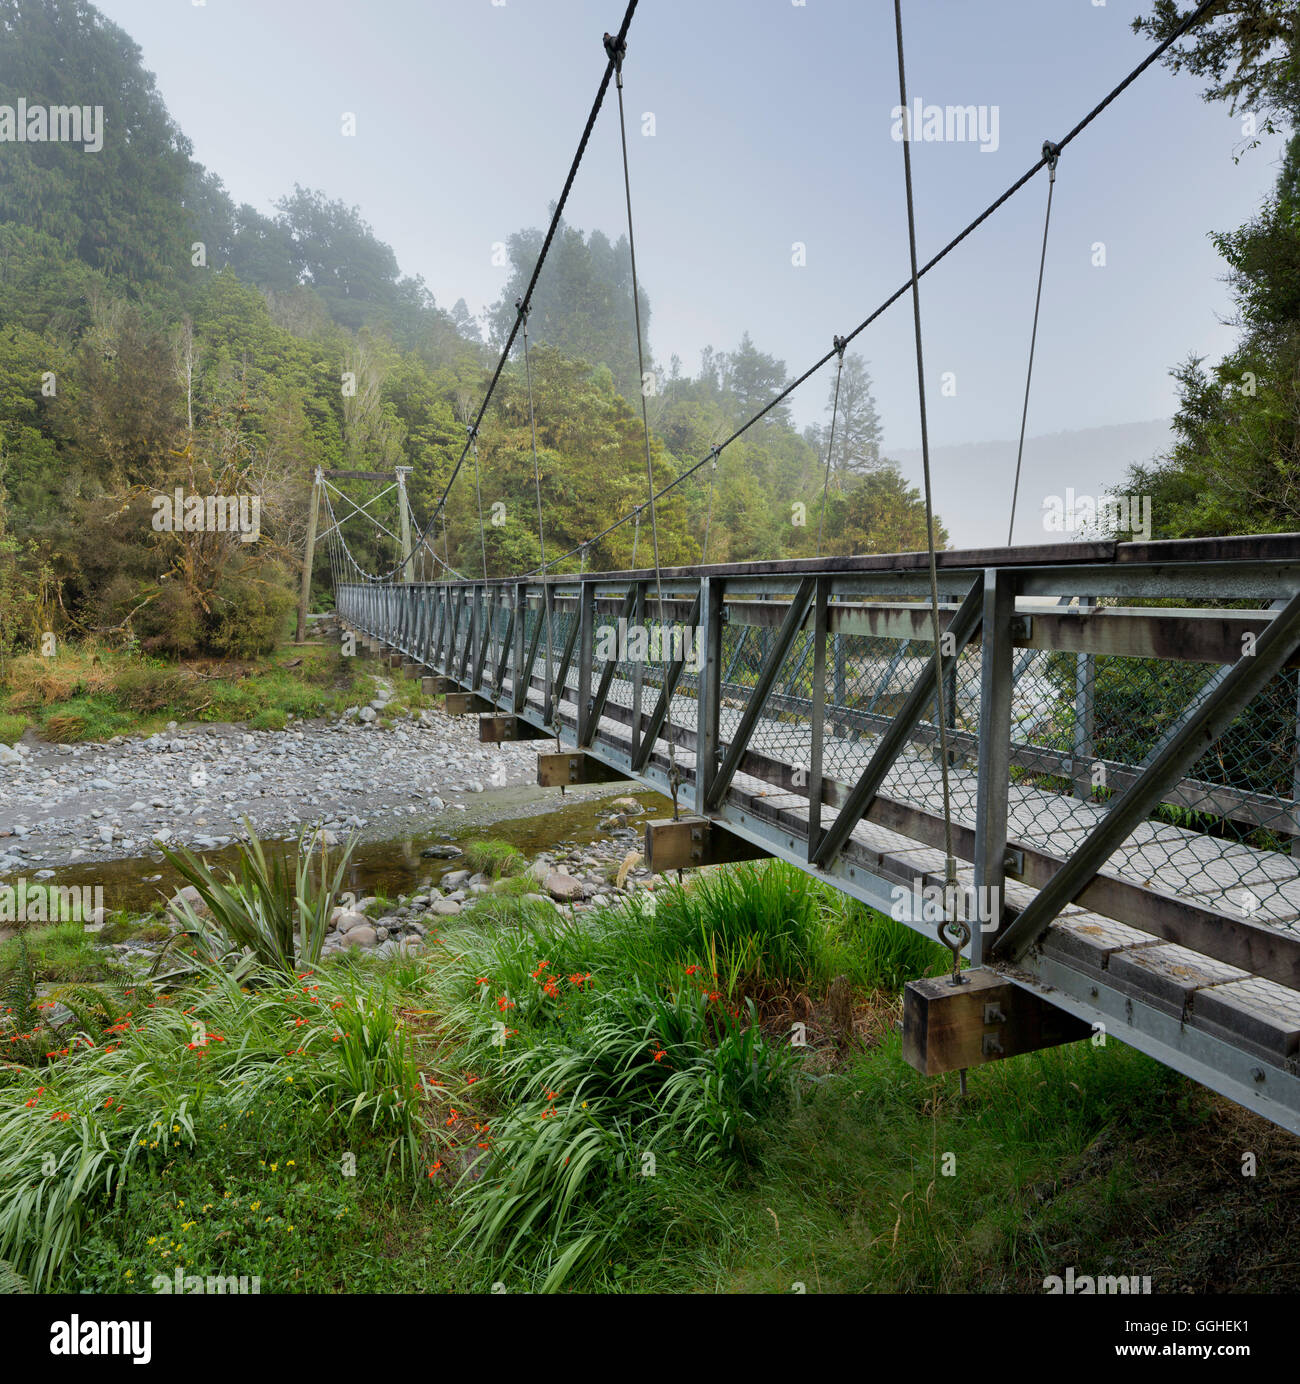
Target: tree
x,y
856,445
1246,48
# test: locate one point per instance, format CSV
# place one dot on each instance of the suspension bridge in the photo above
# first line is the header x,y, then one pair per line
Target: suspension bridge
x,y
1073,765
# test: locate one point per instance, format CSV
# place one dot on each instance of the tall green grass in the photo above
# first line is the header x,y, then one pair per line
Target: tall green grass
x,y
327,1053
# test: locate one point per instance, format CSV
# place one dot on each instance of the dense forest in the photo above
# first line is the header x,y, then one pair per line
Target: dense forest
x,y
154,334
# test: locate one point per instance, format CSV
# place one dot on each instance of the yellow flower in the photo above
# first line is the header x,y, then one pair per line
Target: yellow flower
x,y
208,1207
225,1193
291,1164
288,1230
254,1205
289,1079
152,1240
129,1274
144,1143
181,1205
275,1167
188,1225
267,1221
176,1129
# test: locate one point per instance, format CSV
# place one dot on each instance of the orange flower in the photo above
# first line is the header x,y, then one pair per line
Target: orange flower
x,y
503,1004
453,1117
482,980
660,1054
435,1167
690,970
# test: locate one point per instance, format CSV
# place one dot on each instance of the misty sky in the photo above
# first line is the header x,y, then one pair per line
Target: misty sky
x,y
772,126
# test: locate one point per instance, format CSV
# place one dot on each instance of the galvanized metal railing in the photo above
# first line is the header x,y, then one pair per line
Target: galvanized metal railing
x,y
1122,720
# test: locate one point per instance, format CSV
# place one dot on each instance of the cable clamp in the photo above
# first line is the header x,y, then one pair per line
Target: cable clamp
x,y
715,452
841,344
1052,153
616,48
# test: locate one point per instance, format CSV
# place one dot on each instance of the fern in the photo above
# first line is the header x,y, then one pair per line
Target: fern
x,y
11,1281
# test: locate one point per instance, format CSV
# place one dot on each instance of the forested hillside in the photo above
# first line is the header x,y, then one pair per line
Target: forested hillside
x,y
155,334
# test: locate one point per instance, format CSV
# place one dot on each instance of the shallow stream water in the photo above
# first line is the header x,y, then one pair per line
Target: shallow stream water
x,y
395,866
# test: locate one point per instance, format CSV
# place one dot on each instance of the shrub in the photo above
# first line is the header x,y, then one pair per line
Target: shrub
x,y
280,918
249,618
268,719
496,859
11,729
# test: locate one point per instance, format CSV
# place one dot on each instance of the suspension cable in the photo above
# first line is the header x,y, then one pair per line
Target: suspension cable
x,y
1053,157
541,530
556,217
478,495
617,50
1154,56
840,344
950,863
708,522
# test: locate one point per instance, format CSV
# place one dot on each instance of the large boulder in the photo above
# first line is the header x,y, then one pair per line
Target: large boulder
x,y
348,920
363,936
191,896
564,888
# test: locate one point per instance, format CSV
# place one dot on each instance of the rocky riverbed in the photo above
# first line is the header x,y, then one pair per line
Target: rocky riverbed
x,y
195,784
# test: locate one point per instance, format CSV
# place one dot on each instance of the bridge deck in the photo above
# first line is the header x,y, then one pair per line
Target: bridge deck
x,y
1182,935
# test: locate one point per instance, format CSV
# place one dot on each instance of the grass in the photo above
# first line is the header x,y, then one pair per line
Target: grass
x,y
610,1102
496,859
62,952
90,692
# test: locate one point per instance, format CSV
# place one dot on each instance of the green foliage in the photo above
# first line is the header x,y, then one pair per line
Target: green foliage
x,y
1236,462
280,919
497,859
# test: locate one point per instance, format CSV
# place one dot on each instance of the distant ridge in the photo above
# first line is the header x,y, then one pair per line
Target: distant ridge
x,y
972,480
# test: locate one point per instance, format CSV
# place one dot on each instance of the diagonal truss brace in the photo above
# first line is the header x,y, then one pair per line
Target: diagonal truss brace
x,y
962,626
790,627
1208,720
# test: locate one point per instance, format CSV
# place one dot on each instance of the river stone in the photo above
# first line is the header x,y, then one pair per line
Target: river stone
x,y
628,805
362,935
563,888
191,896
441,852
367,714
445,908
454,879
9,758
349,920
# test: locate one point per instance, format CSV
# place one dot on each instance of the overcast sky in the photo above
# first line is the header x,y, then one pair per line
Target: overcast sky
x,y
772,126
